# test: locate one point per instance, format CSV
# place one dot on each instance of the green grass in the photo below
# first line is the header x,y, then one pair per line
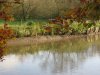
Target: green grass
x,y
23,29
21,22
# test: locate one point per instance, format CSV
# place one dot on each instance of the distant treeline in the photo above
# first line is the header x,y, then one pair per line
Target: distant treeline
x,y
32,9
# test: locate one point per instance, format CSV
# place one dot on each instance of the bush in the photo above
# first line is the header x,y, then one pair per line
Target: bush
x,y
30,23
4,35
78,28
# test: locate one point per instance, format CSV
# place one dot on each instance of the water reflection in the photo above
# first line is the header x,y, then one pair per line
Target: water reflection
x,y
1,54
70,57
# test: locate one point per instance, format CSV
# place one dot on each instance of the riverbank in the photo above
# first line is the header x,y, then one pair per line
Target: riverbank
x,y
44,39
37,32
39,39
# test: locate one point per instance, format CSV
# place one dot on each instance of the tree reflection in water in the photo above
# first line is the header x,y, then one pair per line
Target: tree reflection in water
x,y
1,54
57,57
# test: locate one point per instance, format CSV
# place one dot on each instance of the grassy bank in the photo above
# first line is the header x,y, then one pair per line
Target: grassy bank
x,y
34,28
41,31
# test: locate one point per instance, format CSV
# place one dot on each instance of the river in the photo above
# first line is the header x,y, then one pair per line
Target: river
x,y
79,56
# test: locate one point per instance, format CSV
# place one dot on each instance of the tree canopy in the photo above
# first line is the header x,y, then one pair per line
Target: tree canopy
x,y
90,9
5,9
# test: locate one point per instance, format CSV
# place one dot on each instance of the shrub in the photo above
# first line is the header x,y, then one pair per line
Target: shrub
x,y
4,35
77,28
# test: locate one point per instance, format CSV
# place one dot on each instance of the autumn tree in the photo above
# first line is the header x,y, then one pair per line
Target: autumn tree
x,y
6,8
6,15
90,9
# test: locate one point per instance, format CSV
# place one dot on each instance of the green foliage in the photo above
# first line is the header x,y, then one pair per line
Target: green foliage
x,y
44,28
89,24
78,27
97,23
30,23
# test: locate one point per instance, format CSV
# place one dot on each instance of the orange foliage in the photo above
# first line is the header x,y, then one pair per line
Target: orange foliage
x,y
5,34
9,18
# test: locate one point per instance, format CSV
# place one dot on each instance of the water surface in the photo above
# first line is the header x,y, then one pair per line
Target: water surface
x,y
79,56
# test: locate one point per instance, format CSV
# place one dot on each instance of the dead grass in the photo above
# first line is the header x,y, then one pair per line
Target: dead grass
x,y
40,39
